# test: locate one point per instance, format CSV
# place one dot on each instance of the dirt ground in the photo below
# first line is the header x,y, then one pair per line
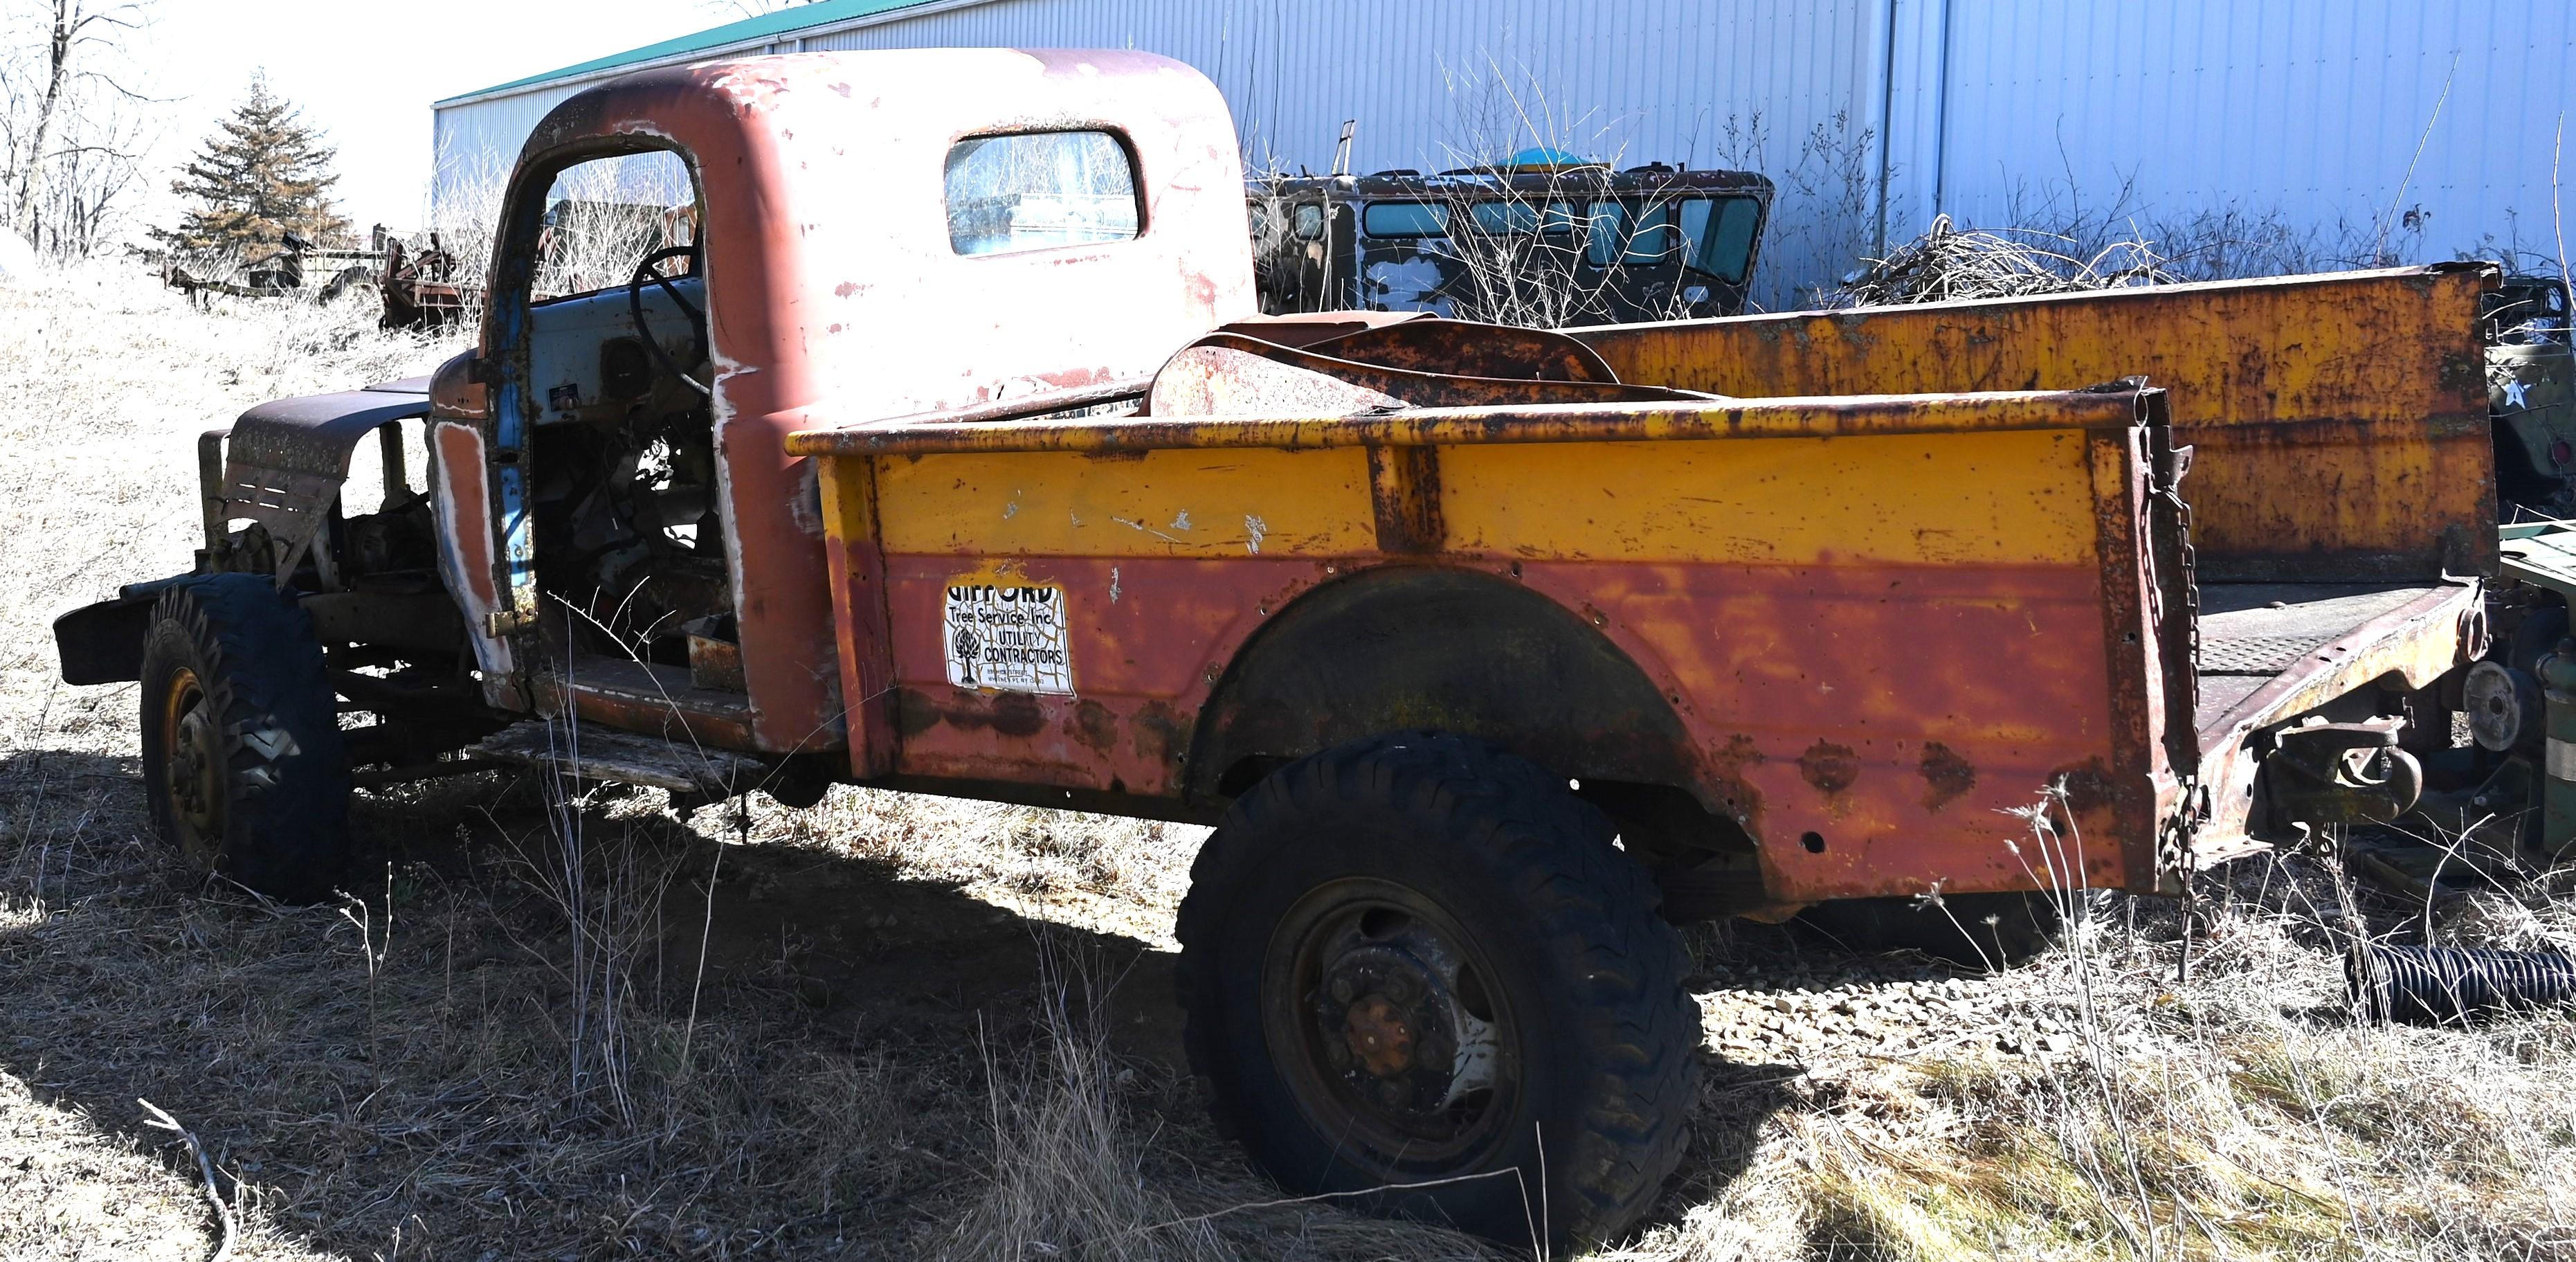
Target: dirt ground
x,y
894,1026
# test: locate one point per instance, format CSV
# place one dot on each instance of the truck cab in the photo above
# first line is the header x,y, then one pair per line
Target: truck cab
x,y
648,529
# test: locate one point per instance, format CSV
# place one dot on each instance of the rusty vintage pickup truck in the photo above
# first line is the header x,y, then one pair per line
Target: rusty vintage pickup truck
x,y
1489,652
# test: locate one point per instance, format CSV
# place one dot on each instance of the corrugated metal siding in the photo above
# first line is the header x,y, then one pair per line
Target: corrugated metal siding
x,y
474,146
1440,83
2307,111
1443,83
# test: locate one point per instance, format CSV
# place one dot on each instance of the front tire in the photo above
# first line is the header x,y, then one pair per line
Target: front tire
x,y
243,760
1418,958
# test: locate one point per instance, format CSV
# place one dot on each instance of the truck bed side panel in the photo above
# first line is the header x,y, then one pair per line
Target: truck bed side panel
x,y
1878,645
2340,421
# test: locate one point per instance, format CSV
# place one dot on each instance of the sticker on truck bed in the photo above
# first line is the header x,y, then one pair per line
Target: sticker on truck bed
x,y
1007,636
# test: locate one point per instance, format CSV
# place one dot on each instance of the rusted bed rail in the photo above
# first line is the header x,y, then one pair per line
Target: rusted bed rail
x,y
2340,421
1535,423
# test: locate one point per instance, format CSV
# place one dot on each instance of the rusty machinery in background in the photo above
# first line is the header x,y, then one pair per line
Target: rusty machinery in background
x,y
418,281
2531,391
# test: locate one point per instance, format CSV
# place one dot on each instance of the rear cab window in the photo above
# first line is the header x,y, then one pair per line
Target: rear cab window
x,y
1405,219
1720,233
1040,190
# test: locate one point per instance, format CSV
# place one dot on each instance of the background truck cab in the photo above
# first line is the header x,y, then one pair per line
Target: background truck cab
x,y
1544,240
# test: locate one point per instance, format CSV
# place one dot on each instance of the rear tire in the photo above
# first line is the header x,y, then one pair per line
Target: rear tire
x,y
1418,958
243,760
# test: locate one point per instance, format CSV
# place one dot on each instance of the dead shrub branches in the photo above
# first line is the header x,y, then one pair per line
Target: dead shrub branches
x,y
1949,263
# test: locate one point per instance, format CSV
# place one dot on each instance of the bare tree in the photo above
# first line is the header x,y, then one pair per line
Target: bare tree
x,y
67,138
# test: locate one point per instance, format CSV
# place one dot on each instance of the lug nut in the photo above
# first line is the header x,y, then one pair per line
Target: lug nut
x,y
1341,990
1392,1093
1399,988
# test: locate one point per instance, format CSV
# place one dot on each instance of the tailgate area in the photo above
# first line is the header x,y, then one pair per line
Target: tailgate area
x,y
2258,640
2271,652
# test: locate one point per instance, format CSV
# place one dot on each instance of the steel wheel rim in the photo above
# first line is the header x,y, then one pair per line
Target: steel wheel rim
x,y
1388,1026
192,766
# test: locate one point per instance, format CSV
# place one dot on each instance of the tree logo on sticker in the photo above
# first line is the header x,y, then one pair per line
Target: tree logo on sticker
x,y
1009,637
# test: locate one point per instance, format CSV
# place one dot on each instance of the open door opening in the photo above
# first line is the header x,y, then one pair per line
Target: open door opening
x,y
633,587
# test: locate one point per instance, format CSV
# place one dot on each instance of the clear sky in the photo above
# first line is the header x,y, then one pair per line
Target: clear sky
x,y
366,73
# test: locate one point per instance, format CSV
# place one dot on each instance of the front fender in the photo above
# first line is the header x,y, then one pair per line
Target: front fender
x,y
103,643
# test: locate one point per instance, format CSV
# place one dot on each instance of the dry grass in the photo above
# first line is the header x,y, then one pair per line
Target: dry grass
x,y
930,1028
1946,264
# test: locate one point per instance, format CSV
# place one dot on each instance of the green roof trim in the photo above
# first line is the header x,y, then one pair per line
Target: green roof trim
x,y
766,26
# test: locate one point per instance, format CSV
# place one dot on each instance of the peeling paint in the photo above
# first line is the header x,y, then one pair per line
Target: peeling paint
x,y
1406,287
1254,528
1140,526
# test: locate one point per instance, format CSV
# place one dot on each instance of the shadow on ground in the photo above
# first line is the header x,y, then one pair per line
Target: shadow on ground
x,y
446,1058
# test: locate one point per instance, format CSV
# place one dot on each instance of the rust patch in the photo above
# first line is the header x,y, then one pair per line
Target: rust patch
x,y
1006,713
2087,786
1831,768
1404,495
1728,767
1013,714
2353,378
1739,756
1161,734
1094,726
913,712
1946,775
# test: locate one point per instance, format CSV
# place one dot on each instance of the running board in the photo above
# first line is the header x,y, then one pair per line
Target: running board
x,y
595,753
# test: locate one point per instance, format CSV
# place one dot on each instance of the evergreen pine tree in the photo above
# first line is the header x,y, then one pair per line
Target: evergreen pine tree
x,y
262,174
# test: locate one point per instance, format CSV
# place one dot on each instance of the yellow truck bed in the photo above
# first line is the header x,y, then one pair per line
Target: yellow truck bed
x,y
1857,584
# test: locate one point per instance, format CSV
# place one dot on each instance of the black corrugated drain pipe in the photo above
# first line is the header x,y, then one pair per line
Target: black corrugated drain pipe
x,y
2439,985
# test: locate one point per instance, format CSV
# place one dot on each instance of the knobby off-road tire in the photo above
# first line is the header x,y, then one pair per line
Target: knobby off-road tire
x,y
242,755
1418,958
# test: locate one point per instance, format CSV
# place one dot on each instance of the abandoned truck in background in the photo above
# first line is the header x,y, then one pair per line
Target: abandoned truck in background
x,y
1489,652
1550,241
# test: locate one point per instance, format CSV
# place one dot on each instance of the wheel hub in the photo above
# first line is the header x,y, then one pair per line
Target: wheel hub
x,y
193,763
1396,1036
1379,1036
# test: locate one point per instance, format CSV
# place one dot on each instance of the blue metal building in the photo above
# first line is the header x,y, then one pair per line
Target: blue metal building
x,y
2292,132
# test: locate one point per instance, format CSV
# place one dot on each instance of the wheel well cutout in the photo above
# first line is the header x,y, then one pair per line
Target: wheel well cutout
x,y
1413,647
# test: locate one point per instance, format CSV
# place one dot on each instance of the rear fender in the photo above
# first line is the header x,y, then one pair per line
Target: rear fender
x,y
1425,647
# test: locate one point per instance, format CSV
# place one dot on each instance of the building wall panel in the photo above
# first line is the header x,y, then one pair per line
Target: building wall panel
x,y
2308,113
2302,118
